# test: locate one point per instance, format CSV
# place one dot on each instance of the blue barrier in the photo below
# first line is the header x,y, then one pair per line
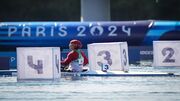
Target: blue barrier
x,y
138,34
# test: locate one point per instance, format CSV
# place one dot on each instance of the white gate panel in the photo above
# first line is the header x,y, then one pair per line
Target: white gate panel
x,y
166,53
108,56
35,63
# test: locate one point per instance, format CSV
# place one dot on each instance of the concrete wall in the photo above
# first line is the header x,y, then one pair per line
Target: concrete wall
x,y
95,10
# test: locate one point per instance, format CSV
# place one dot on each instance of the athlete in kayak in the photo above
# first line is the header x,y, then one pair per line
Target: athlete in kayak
x,y
75,59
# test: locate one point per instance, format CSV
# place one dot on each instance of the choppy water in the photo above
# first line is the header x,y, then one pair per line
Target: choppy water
x,y
94,88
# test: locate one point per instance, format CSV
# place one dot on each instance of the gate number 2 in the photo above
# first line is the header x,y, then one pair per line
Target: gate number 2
x,y
168,54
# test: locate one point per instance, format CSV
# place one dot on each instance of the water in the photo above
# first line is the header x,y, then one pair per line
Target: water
x,y
94,88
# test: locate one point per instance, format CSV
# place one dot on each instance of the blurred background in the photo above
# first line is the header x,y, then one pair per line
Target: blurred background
x,y
70,10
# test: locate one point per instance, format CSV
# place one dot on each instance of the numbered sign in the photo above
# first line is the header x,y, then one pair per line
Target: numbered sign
x,y
35,63
108,56
166,53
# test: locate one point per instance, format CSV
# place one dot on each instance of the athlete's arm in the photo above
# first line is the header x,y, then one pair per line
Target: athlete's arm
x,y
70,57
85,59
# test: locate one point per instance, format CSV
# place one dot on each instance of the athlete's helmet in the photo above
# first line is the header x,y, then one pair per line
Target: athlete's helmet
x,y
77,44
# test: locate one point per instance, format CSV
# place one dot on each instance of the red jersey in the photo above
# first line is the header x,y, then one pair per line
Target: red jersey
x,y
73,55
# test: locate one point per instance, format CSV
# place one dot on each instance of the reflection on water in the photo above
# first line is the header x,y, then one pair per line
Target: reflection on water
x,y
74,78
94,88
